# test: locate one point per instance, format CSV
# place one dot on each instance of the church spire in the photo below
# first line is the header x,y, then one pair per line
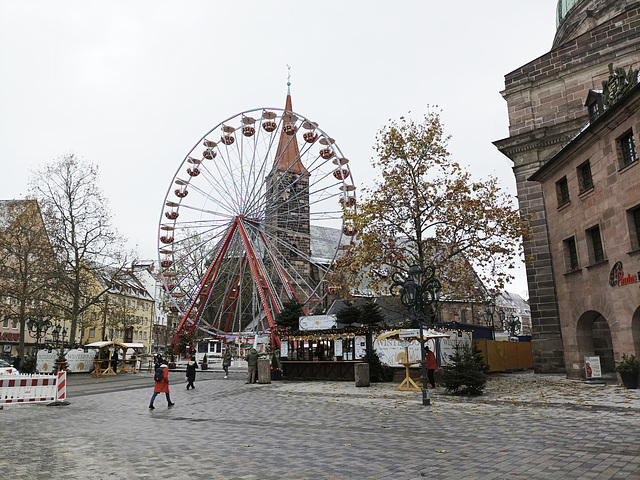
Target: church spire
x,y
288,155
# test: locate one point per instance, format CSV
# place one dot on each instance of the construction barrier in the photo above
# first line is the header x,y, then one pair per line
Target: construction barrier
x,y
506,356
33,388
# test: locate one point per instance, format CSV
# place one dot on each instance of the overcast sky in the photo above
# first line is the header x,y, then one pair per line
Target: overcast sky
x,y
133,85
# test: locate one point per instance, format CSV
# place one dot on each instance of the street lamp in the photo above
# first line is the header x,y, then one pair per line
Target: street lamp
x,y
104,317
488,316
513,325
38,327
58,332
418,290
502,315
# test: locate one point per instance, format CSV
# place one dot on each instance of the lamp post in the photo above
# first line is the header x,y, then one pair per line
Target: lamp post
x,y
418,289
104,317
513,324
488,317
38,328
502,315
57,332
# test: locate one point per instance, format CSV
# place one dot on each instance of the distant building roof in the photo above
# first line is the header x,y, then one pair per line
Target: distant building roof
x,y
126,283
324,243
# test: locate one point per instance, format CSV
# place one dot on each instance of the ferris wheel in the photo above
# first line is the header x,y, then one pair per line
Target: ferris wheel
x,y
253,217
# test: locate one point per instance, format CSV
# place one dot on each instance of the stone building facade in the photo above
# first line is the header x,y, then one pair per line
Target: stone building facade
x,y
592,200
546,107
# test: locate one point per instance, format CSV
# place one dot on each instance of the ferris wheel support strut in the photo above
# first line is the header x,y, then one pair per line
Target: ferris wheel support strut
x,y
258,275
207,281
234,293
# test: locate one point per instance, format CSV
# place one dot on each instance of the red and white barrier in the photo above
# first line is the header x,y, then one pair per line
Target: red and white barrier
x,y
33,388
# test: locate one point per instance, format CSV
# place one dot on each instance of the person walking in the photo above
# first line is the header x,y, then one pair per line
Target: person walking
x,y
192,366
252,362
162,386
16,362
114,361
432,366
157,361
226,361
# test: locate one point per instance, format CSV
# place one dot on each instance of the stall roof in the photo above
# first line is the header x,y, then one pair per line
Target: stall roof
x,y
115,344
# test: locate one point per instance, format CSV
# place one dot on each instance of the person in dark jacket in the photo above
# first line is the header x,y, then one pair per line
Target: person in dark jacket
x,y
432,366
192,366
162,387
114,361
252,362
226,362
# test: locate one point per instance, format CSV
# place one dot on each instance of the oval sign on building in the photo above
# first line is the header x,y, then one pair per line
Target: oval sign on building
x,y
317,322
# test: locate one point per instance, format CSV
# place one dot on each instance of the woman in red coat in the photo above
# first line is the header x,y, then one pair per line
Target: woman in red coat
x,y
432,366
162,387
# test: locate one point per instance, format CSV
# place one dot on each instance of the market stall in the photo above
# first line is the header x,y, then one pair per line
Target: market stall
x,y
327,353
114,356
406,337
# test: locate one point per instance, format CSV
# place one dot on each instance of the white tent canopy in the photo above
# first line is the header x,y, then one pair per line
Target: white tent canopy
x,y
103,343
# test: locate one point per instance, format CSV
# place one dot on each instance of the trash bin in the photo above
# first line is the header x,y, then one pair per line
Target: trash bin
x,y
361,374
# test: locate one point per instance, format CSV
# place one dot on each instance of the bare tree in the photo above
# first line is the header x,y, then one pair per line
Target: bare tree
x,y
26,263
121,316
79,225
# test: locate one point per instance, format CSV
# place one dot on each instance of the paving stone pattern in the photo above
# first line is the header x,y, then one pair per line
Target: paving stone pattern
x,y
526,426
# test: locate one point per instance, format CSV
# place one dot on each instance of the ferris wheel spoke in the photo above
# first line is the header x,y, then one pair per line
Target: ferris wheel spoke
x,y
261,159
212,180
278,245
227,154
218,181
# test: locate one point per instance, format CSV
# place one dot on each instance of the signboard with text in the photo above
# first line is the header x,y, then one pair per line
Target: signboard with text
x,y
592,367
317,322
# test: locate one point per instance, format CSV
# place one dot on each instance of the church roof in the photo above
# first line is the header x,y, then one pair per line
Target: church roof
x,y
288,155
324,243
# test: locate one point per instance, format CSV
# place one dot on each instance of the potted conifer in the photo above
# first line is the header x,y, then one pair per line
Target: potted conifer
x,y
628,368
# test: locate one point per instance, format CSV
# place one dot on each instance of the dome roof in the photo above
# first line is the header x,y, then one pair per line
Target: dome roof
x,y
563,7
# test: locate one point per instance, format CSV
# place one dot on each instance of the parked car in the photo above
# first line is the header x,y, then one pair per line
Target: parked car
x,y
6,367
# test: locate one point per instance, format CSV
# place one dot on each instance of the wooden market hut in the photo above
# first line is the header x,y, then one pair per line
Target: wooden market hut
x,y
107,362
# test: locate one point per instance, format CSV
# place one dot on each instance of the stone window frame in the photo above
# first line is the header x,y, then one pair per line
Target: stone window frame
x,y
595,244
585,178
594,111
633,217
562,192
627,152
570,254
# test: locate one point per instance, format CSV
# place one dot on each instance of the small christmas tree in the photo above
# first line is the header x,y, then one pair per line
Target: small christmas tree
x,y
349,313
378,372
467,372
290,314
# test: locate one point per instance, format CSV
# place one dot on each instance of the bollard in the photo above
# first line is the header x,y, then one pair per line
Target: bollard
x,y
361,374
264,370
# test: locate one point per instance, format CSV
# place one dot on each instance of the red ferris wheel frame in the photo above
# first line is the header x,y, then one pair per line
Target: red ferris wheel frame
x,y
188,325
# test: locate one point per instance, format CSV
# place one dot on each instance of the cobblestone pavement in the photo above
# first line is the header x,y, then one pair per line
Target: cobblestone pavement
x,y
525,426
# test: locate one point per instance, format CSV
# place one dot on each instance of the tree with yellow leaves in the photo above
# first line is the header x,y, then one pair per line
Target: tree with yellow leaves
x,y
427,210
